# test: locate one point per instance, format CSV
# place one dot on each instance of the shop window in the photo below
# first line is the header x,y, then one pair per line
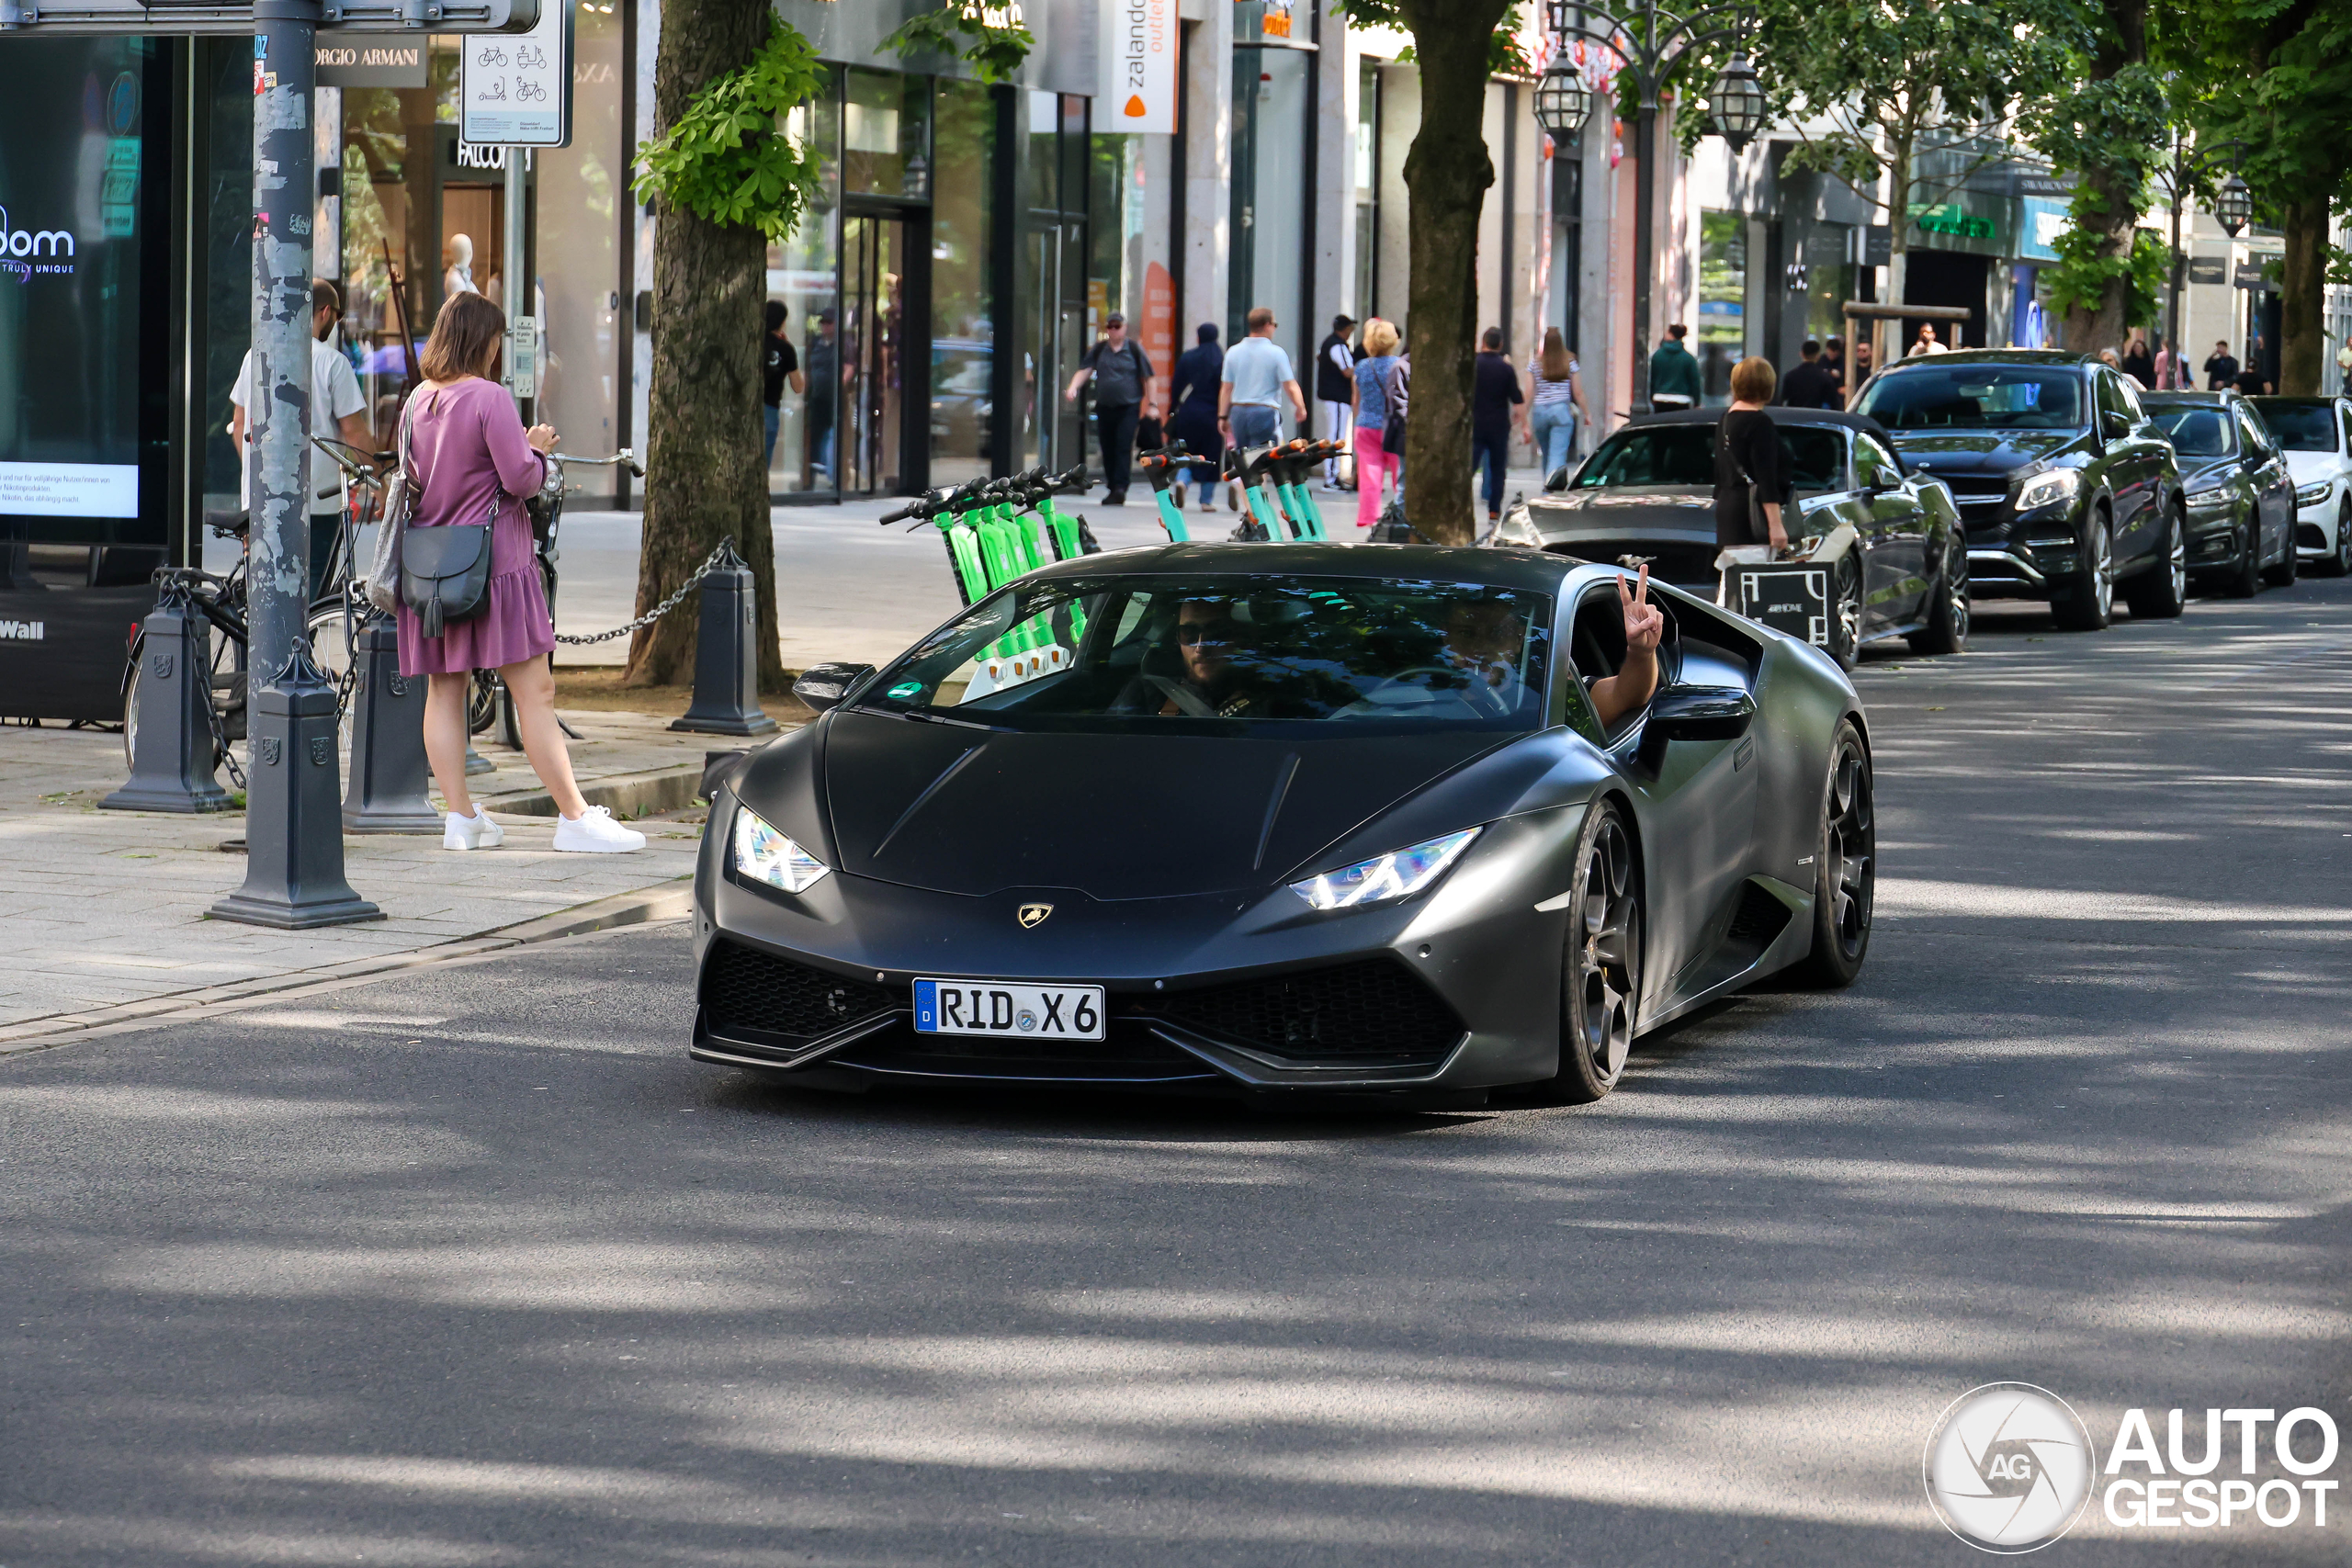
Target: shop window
x,y
963,294
886,136
1722,326
803,277
579,192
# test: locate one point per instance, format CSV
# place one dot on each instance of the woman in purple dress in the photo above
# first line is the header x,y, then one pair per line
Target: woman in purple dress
x,y
473,459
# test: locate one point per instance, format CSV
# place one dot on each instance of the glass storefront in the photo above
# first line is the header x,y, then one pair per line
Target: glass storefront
x,y
963,289
1720,330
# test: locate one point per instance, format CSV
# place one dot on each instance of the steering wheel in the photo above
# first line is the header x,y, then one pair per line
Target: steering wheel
x,y
1473,686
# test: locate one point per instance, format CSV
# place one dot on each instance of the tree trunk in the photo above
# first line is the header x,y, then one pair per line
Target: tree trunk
x,y
2090,328
703,477
2303,342
1887,346
1446,176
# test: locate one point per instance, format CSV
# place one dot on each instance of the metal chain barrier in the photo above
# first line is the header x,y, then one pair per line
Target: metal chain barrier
x,y
725,550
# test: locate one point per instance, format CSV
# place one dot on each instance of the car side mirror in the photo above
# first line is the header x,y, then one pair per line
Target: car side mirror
x,y
1558,479
1699,713
2114,426
823,686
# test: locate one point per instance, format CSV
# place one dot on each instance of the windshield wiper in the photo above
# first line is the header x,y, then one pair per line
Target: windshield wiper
x,y
926,718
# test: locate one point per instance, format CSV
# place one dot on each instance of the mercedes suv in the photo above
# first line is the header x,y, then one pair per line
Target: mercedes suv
x,y
2068,490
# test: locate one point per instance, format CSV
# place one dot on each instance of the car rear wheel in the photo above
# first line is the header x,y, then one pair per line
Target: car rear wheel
x,y
1600,972
2162,592
1844,866
2089,596
1947,628
1846,612
2281,574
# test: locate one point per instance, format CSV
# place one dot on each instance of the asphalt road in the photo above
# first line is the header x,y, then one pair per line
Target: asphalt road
x,y
473,1267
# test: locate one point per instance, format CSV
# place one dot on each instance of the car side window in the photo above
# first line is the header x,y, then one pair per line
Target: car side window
x,y
2344,421
2132,404
1873,464
2110,395
2257,437
1597,649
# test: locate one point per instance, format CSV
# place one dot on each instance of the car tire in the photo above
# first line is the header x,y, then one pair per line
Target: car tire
x,y
2088,602
1947,628
2338,563
1600,962
1844,860
2281,574
1846,610
2161,592
2244,579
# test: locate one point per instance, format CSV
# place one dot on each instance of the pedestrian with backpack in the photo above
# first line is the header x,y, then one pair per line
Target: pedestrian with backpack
x,y
1122,377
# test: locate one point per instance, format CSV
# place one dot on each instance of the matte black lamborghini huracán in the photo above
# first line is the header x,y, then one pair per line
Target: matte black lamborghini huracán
x,y
1257,819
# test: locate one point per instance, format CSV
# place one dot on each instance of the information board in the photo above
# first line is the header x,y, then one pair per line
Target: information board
x,y
514,90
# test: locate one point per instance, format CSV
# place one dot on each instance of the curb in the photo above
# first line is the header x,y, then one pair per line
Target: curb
x,y
625,794
673,900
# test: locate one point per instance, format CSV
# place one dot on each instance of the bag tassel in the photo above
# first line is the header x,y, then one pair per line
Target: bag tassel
x,y
428,617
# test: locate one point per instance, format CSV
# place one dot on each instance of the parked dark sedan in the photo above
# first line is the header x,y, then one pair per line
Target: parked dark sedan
x,y
2240,499
1649,491
2068,489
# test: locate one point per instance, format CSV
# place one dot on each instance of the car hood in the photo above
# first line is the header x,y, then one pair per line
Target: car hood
x,y
2310,468
965,811
1945,454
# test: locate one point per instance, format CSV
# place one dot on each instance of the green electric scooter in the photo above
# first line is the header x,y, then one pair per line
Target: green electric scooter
x,y
1160,465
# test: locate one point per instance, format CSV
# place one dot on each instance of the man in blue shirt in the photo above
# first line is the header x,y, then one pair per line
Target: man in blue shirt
x,y
1257,376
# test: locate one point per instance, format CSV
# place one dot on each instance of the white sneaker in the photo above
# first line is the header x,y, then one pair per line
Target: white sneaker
x,y
593,832
475,832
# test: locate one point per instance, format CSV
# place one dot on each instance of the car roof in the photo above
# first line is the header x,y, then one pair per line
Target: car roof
x,y
2021,356
1778,414
2213,399
1531,569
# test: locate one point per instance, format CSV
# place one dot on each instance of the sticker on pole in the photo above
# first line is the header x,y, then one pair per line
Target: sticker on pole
x,y
514,89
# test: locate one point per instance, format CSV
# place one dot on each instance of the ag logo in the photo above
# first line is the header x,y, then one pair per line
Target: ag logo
x,y
2009,1468
1033,915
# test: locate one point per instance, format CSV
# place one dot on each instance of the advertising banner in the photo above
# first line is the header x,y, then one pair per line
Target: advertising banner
x,y
1136,41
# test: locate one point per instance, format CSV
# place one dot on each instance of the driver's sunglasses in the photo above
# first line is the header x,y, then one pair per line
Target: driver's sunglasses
x,y
1192,632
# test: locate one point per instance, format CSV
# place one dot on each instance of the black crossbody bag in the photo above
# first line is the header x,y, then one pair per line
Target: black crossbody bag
x,y
444,572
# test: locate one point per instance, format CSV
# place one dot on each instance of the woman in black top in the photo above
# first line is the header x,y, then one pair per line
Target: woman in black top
x,y
1748,449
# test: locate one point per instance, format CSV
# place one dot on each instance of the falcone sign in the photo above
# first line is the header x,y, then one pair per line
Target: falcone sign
x,y
1136,44
2010,1468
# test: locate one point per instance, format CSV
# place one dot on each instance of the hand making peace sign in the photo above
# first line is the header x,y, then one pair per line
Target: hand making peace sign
x,y
1645,621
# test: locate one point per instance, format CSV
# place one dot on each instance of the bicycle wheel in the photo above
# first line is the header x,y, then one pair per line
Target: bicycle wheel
x,y
332,636
482,700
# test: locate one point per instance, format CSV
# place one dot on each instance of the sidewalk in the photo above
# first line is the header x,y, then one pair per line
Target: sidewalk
x,y
104,915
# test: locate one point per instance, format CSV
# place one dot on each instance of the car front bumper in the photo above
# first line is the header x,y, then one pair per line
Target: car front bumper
x,y
2315,527
1243,991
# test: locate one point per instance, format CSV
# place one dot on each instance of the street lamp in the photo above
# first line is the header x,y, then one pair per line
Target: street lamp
x,y
1736,105
1561,102
1652,41
2233,208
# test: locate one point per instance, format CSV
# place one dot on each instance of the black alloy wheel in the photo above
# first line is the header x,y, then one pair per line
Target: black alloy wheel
x,y
1846,610
1947,628
2088,603
1844,866
2246,571
1600,969
2161,592
2280,573
2339,562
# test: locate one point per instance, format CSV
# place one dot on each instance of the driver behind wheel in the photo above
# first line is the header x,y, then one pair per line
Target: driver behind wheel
x,y
1636,681
1485,639
1206,637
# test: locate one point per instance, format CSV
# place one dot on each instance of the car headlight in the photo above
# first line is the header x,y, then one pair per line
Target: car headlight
x,y
1398,875
2207,492
2311,495
2046,490
766,855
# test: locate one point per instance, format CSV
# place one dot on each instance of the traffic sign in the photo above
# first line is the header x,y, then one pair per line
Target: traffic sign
x,y
516,91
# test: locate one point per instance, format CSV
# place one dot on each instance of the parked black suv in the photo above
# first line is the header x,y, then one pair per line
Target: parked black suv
x,y
2066,487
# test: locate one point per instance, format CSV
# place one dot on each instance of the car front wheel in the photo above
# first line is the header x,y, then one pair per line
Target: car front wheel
x,y
1947,628
1600,970
2088,601
2161,592
2339,562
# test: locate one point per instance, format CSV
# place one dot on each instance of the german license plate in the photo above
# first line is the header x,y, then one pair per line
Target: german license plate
x,y
1007,1008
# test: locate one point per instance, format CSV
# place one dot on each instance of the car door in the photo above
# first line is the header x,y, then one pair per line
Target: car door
x,y
2136,462
1896,583
2274,488
1697,799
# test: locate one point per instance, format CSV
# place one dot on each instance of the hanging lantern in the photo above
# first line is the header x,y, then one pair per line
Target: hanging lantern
x,y
1736,105
1562,103
2234,206
1559,14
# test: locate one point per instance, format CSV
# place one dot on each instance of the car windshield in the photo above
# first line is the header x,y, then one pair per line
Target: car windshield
x,y
1976,397
2301,427
2196,432
1683,456
1232,653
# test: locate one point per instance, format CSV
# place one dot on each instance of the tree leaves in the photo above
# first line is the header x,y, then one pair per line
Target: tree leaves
x,y
729,160
994,53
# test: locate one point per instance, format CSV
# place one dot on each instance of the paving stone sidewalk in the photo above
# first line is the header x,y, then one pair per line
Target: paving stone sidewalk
x,y
105,909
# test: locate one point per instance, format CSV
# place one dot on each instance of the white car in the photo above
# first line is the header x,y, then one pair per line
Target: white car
x,y
2316,433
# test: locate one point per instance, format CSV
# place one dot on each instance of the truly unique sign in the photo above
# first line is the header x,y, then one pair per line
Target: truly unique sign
x,y
1136,45
516,90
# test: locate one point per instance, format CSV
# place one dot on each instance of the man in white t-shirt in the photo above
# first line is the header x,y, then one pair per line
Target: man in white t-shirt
x,y
336,412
